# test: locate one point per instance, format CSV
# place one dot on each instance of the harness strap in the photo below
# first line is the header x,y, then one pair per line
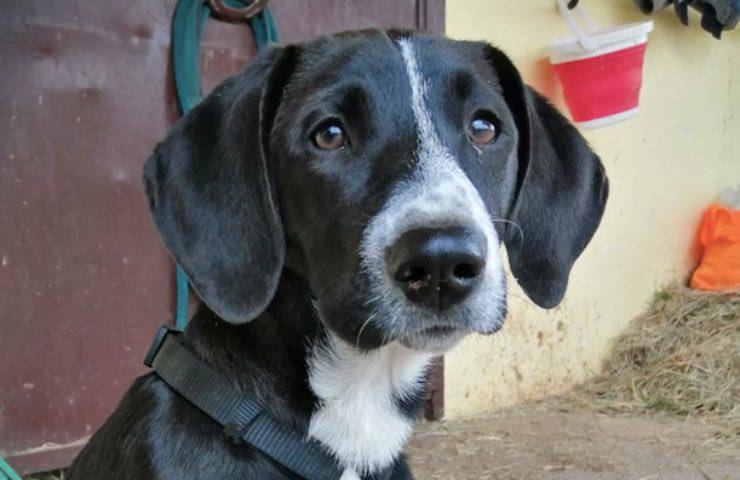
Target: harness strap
x,y
243,419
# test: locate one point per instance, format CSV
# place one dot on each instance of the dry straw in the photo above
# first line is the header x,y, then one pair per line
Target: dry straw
x,y
682,356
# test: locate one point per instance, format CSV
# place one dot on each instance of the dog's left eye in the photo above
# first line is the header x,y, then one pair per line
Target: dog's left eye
x,y
482,129
329,135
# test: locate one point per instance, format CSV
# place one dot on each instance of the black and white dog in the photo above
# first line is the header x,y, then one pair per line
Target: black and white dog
x,y
340,208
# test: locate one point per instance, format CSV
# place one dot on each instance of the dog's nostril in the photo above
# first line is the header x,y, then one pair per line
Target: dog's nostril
x,y
466,271
413,274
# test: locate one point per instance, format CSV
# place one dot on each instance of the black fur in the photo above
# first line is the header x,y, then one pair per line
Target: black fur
x,y
561,190
211,196
265,225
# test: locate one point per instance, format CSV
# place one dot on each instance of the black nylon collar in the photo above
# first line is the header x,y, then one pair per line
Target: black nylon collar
x,y
243,420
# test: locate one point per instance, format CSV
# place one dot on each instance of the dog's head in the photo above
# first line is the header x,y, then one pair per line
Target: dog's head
x,y
386,169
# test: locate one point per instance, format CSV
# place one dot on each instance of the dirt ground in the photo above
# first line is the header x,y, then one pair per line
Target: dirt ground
x,y
541,441
546,441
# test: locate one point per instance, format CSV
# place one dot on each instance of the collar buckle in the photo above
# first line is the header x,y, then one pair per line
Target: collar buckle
x,y
157,344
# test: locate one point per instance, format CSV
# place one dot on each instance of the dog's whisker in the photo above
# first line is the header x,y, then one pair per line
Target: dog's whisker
x,y
372,299
362,328
520,297
518,227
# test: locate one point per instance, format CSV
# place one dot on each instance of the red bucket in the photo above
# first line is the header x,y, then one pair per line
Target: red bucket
x,y
600,71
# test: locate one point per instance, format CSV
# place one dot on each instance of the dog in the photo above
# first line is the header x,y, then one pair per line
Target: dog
x,y
340,207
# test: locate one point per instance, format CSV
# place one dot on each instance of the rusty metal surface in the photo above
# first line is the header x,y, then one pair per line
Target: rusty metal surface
x,y
85,93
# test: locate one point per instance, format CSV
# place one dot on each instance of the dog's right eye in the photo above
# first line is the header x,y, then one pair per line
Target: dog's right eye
x,y
482,129
329,135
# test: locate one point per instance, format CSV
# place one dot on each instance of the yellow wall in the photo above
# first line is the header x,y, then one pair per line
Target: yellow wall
x,y
665,166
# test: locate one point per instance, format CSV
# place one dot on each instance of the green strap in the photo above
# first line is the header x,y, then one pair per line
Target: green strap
x,y
6,472
187,30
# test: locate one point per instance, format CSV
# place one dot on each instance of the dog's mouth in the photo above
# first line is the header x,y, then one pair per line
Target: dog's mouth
x,y
438,331
435,338
441,337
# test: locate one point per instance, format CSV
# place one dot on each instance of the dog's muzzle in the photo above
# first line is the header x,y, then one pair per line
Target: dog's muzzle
x,y
437,267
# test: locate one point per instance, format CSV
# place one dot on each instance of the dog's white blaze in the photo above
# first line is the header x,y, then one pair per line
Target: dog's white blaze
x,y
357,418
438,195
442,188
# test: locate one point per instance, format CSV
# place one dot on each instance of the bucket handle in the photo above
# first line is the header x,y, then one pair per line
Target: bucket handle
x,y
580,24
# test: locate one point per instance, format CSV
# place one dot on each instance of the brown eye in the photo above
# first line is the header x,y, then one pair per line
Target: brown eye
x,y
482,130
329,136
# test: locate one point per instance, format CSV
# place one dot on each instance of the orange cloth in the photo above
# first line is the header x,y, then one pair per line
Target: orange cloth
x,y
719,236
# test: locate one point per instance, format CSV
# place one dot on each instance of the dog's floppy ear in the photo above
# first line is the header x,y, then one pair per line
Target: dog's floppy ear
x,y
561,190
210,191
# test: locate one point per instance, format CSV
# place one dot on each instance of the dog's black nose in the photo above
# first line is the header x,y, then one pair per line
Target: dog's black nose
x,y
437,267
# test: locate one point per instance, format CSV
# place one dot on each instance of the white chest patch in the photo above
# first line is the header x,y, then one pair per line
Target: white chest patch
x,y
357,418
